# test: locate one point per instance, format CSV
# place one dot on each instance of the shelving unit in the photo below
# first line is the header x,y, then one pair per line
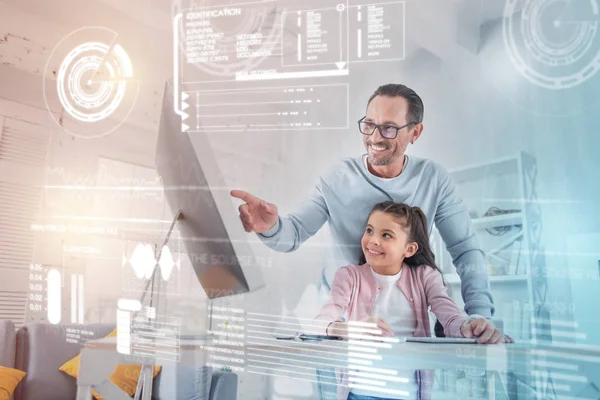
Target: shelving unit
x,y
508,184
498,220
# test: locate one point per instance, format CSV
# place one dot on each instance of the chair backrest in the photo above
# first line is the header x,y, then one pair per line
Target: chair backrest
x,y
41,350
181,381
8,340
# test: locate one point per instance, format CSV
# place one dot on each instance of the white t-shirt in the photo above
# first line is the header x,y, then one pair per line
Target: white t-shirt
x,y
393,307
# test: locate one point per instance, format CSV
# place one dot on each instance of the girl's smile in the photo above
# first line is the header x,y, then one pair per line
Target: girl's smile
x,y
374,253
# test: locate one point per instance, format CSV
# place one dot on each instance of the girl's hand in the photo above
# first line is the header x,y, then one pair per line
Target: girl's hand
x,y
381,324
342,329
338,329
483,329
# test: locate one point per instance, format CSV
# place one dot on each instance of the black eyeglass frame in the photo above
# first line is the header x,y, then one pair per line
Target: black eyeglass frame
x,y
380,128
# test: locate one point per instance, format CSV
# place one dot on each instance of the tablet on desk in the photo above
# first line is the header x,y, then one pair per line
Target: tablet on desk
x,y
441,340
305,337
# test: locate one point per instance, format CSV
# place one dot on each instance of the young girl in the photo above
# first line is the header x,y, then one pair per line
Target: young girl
x,y
395,283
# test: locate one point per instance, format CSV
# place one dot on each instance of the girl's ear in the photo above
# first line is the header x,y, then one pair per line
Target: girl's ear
x,y
411,249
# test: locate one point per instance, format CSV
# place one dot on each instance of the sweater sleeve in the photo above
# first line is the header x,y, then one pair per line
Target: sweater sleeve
x,y
292,230
445,309
337,304
456,229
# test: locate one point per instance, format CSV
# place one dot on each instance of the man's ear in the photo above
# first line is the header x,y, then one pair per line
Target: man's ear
x,y
411,249
416,132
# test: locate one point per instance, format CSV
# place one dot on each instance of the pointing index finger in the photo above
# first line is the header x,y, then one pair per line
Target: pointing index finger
x,y
242,195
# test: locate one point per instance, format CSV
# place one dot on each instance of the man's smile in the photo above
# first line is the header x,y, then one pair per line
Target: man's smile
x,y
378,147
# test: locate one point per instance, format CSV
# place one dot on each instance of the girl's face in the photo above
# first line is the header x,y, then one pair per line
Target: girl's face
x,y
385,243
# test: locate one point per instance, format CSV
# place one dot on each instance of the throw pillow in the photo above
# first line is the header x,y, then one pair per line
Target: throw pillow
x,y
125,376
9,379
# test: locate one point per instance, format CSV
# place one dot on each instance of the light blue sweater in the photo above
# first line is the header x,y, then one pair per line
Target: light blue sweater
x,y
344,197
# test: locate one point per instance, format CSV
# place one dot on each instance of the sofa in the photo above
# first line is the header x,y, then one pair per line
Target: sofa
x,y
40,349
8,344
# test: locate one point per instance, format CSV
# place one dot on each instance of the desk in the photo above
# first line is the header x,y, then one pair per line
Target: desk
x,y
99,358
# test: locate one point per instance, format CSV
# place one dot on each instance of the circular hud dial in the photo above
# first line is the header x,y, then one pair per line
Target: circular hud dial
x,y
554,44
93,82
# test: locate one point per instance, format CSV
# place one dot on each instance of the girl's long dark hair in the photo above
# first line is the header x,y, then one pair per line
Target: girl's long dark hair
x,y
414,221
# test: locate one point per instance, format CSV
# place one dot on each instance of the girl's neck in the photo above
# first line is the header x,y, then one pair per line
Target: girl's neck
x,y
388,269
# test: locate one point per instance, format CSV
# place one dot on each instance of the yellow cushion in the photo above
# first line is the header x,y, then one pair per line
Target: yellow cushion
x,y
9,379
125,376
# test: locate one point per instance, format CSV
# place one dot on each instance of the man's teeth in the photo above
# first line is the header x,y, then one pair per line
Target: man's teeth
x,y
378,148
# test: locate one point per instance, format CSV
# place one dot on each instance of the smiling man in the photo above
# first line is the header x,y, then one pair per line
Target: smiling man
x,y
344,196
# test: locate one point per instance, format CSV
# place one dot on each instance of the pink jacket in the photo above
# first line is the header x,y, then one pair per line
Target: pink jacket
x,y
354,291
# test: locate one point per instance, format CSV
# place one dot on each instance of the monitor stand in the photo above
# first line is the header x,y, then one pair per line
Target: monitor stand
x,y
143,389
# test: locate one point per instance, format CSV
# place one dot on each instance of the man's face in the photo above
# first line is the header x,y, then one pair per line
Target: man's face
x,y
387,111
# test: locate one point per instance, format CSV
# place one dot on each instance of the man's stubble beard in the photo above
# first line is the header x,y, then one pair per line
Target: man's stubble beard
x,y
383,161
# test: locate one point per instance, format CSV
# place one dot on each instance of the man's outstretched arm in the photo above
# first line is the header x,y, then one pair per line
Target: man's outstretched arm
x,y
283,233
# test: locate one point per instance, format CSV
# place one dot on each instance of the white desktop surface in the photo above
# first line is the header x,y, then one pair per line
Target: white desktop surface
x,y
99,357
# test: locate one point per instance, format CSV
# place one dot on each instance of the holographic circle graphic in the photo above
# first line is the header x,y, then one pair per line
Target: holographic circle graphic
x,y
554,44
85,98
93,82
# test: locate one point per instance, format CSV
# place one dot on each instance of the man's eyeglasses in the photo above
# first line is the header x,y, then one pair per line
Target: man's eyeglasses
x,y
386,131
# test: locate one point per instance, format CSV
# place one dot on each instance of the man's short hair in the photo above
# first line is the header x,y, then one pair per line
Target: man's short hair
x,y
415,104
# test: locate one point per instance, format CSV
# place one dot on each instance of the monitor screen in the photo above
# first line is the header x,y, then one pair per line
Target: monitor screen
x,y
211,232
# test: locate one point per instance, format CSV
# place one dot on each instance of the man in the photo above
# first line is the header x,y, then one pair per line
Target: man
x,y
345,195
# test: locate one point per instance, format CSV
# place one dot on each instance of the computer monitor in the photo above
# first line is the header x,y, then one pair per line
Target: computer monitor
x,y
211,231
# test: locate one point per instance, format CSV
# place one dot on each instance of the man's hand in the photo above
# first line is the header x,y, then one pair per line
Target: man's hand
x,y
256,214
483,329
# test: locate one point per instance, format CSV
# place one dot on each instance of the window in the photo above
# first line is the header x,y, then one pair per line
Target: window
x,y
23,150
